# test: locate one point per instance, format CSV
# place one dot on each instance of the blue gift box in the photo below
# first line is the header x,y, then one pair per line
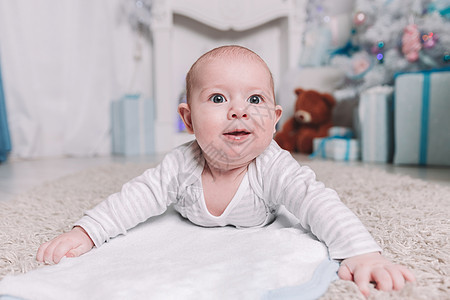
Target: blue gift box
x,y
422,118
5,141
376,117
132,118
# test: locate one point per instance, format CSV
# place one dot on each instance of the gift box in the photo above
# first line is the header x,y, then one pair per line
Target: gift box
x,y
376,124
339,145
132,119
422,118
340,131
5,141
336,148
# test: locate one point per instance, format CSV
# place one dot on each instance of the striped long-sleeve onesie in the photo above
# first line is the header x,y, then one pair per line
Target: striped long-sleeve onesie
x,y
273,179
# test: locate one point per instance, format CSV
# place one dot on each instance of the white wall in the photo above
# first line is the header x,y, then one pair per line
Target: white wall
x,y
63,61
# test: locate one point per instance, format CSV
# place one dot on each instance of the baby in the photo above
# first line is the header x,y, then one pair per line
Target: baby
x,y
234,174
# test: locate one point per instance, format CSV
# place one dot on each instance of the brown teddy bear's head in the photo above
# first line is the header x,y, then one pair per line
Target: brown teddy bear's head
x,y
313,107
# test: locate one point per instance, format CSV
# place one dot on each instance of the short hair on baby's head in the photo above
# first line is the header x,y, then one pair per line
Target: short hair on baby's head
x,y
223,51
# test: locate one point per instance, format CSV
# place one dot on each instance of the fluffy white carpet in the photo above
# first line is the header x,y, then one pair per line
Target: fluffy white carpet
x,y
409,218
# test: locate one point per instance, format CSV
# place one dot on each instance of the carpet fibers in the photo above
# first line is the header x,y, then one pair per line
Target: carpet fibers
x,y
409,218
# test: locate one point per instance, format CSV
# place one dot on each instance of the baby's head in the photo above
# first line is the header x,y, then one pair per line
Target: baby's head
x,y
230,52
230,106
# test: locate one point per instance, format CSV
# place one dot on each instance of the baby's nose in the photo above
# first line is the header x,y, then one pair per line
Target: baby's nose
x,y
237,113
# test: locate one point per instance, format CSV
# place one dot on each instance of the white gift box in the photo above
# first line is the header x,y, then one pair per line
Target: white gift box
x,y
422,121
132,119
340,131
336,148
376,113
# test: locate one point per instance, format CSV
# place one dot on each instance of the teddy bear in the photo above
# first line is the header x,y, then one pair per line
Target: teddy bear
x,y
312,118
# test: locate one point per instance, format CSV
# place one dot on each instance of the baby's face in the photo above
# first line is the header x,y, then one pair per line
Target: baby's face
x,y
232,111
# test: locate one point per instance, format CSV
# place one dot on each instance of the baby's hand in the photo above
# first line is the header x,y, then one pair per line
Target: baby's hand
x,y
373,267
69,244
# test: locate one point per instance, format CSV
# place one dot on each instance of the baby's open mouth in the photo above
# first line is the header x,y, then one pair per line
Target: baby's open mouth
x,y
237,134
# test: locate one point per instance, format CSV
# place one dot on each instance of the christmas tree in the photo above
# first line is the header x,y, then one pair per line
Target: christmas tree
x,y
386,37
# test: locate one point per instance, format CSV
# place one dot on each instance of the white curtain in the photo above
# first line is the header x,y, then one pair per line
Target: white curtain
x,y
63,62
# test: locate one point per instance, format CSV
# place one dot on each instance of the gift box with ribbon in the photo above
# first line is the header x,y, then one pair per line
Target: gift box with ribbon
x,y
132,119
5,140
422,118
339,145
376,119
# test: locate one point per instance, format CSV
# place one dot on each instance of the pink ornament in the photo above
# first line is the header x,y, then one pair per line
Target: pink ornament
x,y
374,49
359,18
411,43
360,63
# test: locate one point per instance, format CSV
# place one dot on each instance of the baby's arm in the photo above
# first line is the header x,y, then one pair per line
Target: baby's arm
x,y
373,267
69,244
320,210
141,198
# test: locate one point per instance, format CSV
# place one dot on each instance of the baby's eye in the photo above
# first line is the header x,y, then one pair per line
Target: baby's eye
x,y
255,99
217,98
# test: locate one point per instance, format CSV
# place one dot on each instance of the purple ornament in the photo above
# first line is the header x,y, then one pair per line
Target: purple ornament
x,y
429,40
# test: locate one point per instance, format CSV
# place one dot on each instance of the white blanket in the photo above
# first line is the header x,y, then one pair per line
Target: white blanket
x,y
170,258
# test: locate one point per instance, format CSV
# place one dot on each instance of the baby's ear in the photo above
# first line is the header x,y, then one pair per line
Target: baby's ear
x,y
278,113
185,113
